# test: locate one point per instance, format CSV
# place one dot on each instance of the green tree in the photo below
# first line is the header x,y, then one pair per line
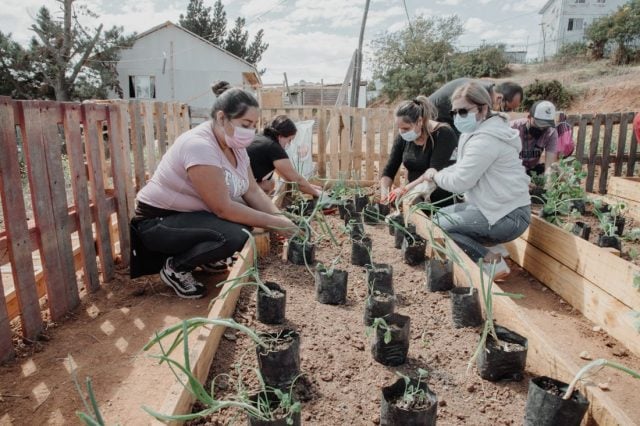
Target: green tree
x,y
74,60
414,60
17,76
621,27
212,26
486,61
198,19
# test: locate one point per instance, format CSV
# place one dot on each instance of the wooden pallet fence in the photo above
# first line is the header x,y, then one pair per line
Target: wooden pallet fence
x,y
596,282
543,356
48,241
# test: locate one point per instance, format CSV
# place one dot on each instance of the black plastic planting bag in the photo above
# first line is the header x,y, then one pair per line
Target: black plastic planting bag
x,y
549,409
380,305
301,252
393,221
395,351
271,309
401,233
379,278
332,289
360,202
360,249
465,307
280,366
392,415
495,363
439,275
413,250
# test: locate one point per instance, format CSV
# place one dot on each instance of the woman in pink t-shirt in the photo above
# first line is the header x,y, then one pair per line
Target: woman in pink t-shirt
x,y
202,195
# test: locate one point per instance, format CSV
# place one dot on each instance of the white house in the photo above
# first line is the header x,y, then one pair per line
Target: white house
x,y
565,21
169,63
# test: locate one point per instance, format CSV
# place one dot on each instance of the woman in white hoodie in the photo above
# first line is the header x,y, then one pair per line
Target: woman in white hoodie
x,y
488,170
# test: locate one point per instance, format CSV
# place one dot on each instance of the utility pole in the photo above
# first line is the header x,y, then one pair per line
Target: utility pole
x,y
544,43
286,85
355,86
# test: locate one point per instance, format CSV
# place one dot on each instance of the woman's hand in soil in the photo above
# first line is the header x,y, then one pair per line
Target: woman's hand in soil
x,y
283,226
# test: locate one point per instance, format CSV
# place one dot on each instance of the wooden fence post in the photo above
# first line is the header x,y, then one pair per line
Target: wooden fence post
x,y
15,218
80,186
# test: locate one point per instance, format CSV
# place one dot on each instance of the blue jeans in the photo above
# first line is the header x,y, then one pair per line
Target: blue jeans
x,y
193,238
468,227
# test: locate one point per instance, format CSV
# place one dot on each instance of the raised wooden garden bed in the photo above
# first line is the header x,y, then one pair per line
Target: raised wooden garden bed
x,y
547,336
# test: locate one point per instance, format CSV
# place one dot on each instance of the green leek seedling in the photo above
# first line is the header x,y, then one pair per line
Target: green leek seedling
x,y
593,364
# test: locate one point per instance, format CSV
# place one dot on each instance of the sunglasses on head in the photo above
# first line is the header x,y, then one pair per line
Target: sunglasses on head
x,y
462,111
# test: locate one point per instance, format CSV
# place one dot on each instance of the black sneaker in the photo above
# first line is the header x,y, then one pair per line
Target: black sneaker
x,y
182,283
216,267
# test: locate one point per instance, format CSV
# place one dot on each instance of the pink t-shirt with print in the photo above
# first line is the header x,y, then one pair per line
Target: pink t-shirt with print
x,y
170,187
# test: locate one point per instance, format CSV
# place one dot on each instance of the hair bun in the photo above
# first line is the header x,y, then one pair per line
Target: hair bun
x,y
220,87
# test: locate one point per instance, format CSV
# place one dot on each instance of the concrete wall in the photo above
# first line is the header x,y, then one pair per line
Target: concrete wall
x,y
188,77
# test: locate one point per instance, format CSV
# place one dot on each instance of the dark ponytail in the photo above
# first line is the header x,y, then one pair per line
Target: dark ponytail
x,y
281,125
233,101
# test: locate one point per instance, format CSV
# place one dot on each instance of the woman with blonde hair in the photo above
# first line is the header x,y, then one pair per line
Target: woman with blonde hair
x,y
490,174
422,143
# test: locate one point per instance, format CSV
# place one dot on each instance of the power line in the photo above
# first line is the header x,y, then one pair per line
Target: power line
x,y
257,18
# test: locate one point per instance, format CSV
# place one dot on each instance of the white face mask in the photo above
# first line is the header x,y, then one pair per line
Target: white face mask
x,y
409,136
465,124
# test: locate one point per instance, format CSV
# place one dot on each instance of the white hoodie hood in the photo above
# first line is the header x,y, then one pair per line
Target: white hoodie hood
x,y
489,170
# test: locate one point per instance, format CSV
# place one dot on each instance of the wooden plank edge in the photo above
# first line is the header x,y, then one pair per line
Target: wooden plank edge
x,y
178,399
594,304
542,358
589,264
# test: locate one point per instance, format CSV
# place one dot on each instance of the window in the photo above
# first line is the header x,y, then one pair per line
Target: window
x,y
142,87
601,1
580,1
575,24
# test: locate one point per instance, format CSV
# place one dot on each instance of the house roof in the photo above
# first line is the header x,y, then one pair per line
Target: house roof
x,y
171,24
546,6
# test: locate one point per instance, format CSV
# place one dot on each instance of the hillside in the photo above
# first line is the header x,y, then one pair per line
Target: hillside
x,y
599,87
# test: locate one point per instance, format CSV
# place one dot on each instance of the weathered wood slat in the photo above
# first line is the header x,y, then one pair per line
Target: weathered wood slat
x,y
102,218
149,139
6,344
137,144
185,120
606,151
175,108
345,143
34,127
57,188
120,182
80,185
594,303
170,120
625,119
624,187
611,273
633,155
322,142
582,136
372,128
356,131
384,139
334,143
160,126
126,153
593,151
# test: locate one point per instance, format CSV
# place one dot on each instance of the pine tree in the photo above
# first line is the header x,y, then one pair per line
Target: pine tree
x,y
237,39
198,19
218,24
256,48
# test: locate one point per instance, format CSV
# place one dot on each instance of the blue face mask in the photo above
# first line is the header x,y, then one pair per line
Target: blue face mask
x,y
465,124
409,136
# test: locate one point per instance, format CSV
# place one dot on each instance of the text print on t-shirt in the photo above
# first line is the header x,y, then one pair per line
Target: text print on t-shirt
x,y
236,184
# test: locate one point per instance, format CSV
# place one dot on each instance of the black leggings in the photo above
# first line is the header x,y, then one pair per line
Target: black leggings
x,y
193,239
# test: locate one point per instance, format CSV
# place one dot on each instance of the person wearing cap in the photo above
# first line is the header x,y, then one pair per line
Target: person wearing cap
x,y
538,133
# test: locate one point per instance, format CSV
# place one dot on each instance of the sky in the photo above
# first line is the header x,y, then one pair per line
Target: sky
x,y
311,40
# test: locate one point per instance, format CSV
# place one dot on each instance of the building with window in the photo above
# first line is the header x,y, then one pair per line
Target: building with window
x,y
170,63
565,21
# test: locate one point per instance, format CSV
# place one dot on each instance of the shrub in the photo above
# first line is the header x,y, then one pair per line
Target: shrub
x,y
551,90
485,61
572,52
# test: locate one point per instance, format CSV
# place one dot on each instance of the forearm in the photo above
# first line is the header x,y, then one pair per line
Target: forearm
x,y
245,215
386,182
258,200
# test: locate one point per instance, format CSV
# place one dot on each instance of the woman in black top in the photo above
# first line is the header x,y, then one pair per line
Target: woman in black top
x,y
423,143
267,153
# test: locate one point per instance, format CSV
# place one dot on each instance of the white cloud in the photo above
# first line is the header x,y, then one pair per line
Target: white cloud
x,y
449,2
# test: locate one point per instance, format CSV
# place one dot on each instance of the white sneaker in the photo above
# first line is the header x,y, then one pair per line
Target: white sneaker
x,y
499,249
500,272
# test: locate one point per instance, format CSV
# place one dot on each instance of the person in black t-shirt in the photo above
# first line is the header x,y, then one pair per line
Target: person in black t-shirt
x,y
423,143
267,153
